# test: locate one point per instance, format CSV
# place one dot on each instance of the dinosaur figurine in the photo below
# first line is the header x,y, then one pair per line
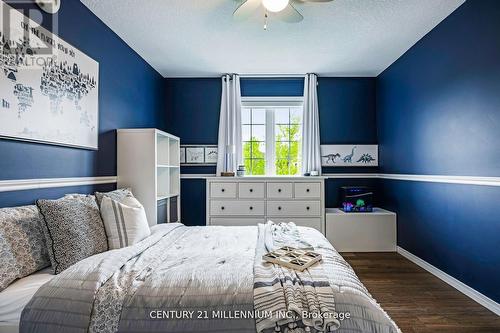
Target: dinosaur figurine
x,y
366,158
348,158
331,157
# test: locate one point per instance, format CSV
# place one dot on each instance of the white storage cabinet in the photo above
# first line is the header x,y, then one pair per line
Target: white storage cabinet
x,y
361,232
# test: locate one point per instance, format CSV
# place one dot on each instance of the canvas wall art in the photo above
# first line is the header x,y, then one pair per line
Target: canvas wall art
x,y
349,155
48,88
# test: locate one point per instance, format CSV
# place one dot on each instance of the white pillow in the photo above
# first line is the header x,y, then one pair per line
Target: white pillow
x,y
125,221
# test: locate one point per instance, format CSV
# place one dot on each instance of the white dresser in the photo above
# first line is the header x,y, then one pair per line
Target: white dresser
x,y
238,201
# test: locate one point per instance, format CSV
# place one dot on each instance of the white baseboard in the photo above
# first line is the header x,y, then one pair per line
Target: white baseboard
x,y
460,286
30,184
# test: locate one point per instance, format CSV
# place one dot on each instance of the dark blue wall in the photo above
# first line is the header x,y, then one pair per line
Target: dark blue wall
x,y
254,87
347,107
193,107
438,113
347,115
131,94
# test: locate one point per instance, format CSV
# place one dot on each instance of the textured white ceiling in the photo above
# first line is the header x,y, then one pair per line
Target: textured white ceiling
x,y
198,38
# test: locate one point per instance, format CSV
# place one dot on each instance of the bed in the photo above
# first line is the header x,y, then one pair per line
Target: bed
x,y
179,279
15,297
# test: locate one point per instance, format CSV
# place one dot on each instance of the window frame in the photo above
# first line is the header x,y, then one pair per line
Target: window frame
x,y
270,104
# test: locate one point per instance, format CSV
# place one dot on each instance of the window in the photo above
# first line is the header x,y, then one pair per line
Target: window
x,y
272,136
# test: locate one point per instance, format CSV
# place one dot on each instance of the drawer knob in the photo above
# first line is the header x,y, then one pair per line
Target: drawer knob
x,y
279,190
223,190
251,207
279,207
222,208
251,190
307,190
308,207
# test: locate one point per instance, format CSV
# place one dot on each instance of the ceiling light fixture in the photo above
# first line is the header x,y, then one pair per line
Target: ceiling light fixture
x,y
275,5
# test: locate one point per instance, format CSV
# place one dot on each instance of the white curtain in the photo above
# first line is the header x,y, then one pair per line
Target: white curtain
x,y
229,151
311,154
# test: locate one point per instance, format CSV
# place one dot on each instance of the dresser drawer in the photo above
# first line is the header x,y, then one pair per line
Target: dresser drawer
x,y
238,222
293,208
312,222
279,190
236,208
251,190
307,190
223,190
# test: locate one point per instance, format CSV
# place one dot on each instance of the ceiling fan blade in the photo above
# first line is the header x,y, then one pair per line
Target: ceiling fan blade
x,y
246,9
289,14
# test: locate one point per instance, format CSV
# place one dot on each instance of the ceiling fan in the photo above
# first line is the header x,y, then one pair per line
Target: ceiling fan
x,y
283,10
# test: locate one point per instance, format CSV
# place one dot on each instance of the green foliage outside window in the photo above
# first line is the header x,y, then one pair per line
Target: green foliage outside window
x,y
287,152
254,157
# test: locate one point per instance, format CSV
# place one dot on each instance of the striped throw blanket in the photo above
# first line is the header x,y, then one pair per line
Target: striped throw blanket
x,y
298,301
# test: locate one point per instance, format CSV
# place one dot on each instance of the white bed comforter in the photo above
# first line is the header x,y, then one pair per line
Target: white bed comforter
x,y
182,279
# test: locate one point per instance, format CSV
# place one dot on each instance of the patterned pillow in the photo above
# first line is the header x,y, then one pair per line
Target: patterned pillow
x,y
73,230
73,195
22,244
117,195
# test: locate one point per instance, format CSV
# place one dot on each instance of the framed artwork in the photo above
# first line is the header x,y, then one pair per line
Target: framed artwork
x,y
182,155
198,155
349,155
48,88
195,155
211,155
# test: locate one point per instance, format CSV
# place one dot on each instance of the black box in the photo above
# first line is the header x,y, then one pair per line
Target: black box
x,y
356,199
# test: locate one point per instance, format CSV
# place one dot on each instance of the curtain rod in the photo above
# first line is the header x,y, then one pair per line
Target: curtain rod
x,y
272,75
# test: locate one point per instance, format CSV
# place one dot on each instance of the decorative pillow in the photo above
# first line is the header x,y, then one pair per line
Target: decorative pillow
x,y
78,195
125,221
22,244
117,195
73,230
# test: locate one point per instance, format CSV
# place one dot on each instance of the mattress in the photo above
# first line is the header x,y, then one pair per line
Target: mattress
x,y
14,298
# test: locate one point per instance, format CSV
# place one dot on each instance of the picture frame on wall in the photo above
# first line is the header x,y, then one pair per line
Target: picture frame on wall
x,y
197,155
182,155
211,155
353,155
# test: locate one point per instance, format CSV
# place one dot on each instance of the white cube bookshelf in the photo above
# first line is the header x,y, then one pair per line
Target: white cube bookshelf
x,y
148,162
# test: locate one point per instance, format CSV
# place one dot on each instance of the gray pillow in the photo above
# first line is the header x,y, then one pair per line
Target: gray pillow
x,y
22,244
117,195
73,230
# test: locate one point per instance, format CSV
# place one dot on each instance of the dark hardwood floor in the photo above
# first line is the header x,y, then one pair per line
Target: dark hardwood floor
x,y
417,300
